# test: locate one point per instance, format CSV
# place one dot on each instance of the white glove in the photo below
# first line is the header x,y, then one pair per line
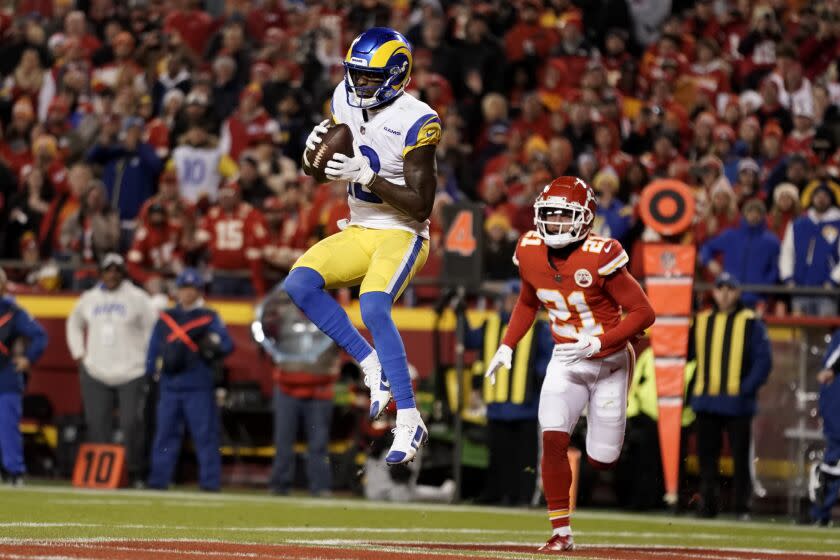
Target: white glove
x,y
585,347
314,137
500,359
355,169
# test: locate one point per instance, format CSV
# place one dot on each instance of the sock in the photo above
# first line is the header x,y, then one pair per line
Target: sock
x,y
306,288
376,313
557,477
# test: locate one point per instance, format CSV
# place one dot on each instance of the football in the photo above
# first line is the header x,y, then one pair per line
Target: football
x,y
337,139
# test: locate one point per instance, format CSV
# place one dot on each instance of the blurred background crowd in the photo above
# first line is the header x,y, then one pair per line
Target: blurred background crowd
x,y
172,130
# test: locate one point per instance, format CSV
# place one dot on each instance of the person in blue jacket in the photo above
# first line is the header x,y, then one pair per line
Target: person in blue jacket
x,y
750,252
825,477
186,348
810,254
131,169
512,427
15,323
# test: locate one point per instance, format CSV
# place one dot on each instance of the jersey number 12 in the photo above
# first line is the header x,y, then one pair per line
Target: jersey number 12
x,y
357,190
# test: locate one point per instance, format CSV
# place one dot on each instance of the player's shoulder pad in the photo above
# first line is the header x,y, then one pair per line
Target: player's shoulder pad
x,y
338,103
528,241
611,255
419,124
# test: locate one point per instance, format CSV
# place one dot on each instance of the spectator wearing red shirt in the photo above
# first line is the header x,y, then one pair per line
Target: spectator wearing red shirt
x,y
607,150
248,126
280,251
528,38
722,214
234,234
771,108
45,156
771,152
709,71
179,214
802,136
14,147
615,54
269,15
155,253
76,27
573,49
533,119
758,47
192,25
123,70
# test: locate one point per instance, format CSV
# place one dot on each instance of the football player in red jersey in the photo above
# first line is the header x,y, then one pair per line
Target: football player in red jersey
x,y
582,281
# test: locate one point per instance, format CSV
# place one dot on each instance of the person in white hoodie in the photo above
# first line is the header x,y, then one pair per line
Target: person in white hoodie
x,y
118,318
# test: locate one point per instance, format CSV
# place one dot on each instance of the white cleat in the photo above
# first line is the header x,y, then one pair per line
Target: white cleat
x,y
409,435
380,389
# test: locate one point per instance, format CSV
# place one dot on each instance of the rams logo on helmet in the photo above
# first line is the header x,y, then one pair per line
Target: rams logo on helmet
x,y
377,67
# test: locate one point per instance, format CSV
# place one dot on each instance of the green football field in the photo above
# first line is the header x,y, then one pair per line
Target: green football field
x,y
58,522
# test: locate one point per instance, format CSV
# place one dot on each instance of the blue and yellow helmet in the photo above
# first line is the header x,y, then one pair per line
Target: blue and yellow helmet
x,y
377,67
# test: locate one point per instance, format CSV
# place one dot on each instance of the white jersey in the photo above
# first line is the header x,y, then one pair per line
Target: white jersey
x,y
385,138
199,171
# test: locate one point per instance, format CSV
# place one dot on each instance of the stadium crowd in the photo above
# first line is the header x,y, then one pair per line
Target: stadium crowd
x,y
172,130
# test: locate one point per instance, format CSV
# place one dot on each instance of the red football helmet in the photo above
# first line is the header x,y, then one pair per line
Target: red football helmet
x,y
564,210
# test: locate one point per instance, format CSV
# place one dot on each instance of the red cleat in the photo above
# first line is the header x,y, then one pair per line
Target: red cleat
x,y
558,543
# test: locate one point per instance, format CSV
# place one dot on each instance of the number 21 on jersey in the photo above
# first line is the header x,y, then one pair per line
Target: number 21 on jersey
x,y
559,311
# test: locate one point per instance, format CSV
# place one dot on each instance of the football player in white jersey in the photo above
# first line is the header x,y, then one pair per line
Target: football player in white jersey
x,y
391,182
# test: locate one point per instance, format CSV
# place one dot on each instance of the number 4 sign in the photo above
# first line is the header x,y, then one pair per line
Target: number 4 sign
x,y
100,466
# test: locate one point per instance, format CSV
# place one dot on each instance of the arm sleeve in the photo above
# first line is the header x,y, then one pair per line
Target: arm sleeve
x,y
639,315
523,315
74,329
226,344
761,359
150,159
711,248
34,332
154,348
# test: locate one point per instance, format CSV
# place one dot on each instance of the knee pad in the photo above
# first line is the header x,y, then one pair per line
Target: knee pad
x,y
376,310
602,455
300,283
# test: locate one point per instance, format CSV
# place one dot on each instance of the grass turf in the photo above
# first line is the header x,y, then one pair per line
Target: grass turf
x,y
60,512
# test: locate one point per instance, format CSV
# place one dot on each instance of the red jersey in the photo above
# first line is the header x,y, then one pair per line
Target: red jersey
x,y
239,133
153,250
235,240
585,292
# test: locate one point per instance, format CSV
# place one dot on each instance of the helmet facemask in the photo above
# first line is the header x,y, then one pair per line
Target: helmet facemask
x,y
369,87
560,223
